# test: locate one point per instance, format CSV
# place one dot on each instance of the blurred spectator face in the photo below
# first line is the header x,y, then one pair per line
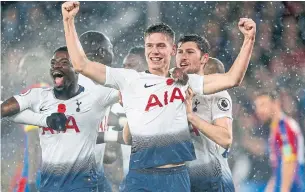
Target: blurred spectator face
x,y
189,57
248,9
133,61
277,66
212,29
263,107
222,9
159,48
265,36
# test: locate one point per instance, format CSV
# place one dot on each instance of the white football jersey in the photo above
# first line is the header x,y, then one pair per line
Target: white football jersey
x,y
210,162
100,148
68,158
156,116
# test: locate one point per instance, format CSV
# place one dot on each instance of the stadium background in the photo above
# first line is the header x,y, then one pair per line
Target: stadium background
x,y
30,32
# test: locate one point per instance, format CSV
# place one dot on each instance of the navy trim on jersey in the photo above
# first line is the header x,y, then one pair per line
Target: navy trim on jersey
x,y
158,156
70,181
80,90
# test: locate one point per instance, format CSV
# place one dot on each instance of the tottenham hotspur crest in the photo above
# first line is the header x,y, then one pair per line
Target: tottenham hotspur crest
x,y
224,104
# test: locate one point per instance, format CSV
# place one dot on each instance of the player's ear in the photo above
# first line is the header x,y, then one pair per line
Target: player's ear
x,y
174,51
204,59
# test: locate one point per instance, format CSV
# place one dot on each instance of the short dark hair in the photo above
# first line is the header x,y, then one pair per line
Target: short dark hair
x,y
160,28
214,66
62,48
202,43
97,43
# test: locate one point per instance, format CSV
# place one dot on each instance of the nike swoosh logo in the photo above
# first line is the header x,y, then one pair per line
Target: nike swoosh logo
x,y
146,86
42,109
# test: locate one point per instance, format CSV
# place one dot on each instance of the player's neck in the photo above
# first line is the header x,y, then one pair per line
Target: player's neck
x,y
160,72
200,72
68,93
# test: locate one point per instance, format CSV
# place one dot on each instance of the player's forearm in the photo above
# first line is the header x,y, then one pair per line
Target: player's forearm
x,y
240,65
80,62
218,134
9,107
110,137
76,52
28,117
288,173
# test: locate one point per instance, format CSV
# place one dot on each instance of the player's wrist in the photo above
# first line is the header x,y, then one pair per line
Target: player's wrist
x,y
190,116
68,19
249,38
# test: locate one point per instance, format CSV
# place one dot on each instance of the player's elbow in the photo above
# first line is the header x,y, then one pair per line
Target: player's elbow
x,y
233,80
226,141
237,82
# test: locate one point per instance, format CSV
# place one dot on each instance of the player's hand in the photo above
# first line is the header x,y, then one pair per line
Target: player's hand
x,y
247,27
69,9
179,76
189,100
57,121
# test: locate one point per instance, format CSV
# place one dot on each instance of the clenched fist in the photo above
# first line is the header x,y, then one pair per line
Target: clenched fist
x,y
179,76
69,9
247,27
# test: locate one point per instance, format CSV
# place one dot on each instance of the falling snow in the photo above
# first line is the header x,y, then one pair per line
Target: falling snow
x,y
278,60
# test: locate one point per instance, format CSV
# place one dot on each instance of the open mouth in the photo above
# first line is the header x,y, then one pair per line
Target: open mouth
x,y
58,78
182,65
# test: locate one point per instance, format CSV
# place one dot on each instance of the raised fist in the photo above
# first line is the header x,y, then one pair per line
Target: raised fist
x,y
69,9
247,27
179,76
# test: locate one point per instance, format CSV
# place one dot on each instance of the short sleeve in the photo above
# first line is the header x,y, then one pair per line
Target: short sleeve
x,y
196,83
106,96
29,99
28,117
221,105
119,78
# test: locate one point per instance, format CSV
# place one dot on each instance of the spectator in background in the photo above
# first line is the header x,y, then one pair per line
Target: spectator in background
x,y
135,59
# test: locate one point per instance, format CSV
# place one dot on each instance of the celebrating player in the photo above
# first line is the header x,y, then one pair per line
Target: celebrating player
x,y
210,117
99,48
153,102
68,159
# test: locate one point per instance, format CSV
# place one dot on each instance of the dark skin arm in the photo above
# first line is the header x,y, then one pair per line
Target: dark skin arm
x,y
10,107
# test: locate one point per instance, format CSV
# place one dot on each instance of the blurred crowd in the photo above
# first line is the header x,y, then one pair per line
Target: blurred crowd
x,y
31,31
